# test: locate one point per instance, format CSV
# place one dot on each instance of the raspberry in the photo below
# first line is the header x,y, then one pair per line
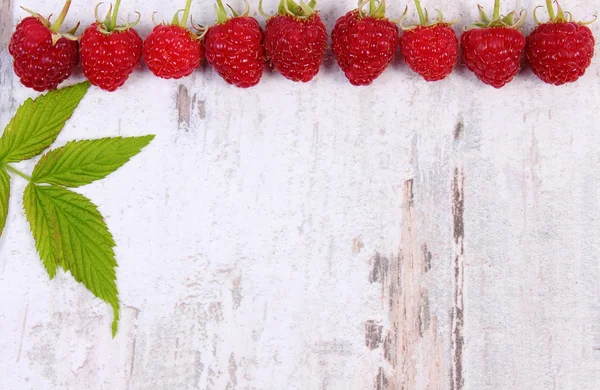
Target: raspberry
x,y
430,49
43,57
295,40
234,48
364,44
173,51
561,50
110,53
493,49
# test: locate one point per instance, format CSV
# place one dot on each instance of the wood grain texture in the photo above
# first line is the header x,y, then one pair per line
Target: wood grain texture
x,y
408,235
6,77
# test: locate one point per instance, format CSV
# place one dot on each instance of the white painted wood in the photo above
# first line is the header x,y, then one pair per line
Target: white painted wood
x,y
322,236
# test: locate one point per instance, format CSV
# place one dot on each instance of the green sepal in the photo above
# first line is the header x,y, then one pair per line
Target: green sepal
x,y
379,12
107,20
377,9
55,27
483,18
109,24
423,18
498,20
509,19
560,14
221,12
307,9
299,10
175,21
287,7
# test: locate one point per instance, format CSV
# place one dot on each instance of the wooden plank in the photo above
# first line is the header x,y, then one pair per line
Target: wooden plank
x,y
6,76
407,235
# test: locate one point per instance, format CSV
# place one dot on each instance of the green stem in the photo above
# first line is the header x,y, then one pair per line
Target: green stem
x,y
61,17
550,10
113,19
496,15
17,172
186,13
422,17
221,12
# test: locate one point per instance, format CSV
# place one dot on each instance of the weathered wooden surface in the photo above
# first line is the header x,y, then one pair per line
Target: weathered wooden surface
x,y
322,236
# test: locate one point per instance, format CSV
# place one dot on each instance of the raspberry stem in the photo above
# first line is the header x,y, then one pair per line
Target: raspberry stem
x,y
422,17
17,172
550,10
221,12
61,17
186,13
496,15
113,19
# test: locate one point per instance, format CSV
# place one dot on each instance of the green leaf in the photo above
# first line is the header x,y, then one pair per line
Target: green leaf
x,y
70,231
43,223
82,162
4,195
38,122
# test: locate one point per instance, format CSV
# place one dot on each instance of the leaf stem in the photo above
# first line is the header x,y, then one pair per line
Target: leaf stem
x,y
17,172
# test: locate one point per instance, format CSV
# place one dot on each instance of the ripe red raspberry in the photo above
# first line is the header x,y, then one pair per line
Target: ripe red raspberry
x,y
493,49
110,53
364,44
173,51
234,48
43,57
295,40
430,49
561,50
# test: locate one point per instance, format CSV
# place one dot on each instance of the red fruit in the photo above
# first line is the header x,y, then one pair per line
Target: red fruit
x,y
430,49
364,45
234,48
493,54
561,50
493,49
43,57
295,40
173,51
110,53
